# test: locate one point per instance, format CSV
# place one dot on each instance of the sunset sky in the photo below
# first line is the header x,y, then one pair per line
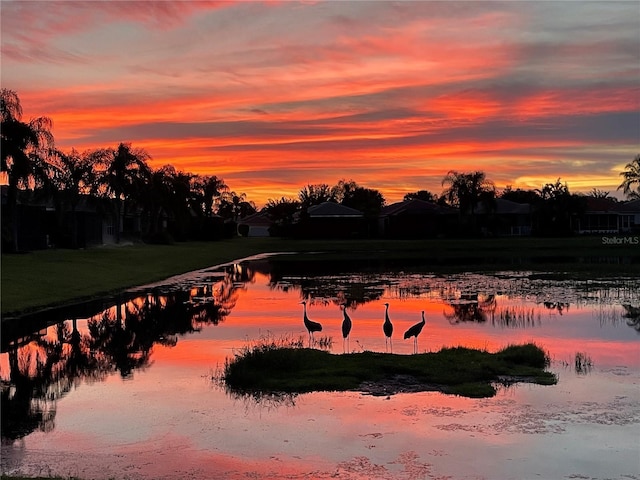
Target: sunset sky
x,y
273,96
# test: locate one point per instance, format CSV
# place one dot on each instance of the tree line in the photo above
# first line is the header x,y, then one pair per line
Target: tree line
x,y
120,179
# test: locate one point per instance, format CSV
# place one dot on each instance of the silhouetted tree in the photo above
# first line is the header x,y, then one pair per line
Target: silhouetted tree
x,y
596,193
166,198
316,194
520,196
342,189
282,213
556,209
467,190
367,200
124,174
205,190
234,206
72,175
631,179
24,148
425,195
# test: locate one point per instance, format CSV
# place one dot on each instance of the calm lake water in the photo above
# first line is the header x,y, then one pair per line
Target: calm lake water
x,y
130,391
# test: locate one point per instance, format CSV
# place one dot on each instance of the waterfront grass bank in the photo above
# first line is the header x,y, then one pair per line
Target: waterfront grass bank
x,y
40,279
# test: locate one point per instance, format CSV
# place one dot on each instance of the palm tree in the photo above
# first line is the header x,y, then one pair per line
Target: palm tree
x,y
558,208
124,175
158,198
466,190
282,213
234,206
24,148
631,176
72,175
205,190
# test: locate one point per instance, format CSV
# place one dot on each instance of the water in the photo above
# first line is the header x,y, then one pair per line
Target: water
x,y
131,392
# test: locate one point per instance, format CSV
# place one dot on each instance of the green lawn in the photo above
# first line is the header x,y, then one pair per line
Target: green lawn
x,y
53,277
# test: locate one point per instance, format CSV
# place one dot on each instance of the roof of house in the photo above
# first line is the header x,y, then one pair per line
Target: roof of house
x,y
505,207
331,209
606,204
416,207
258,219
632,206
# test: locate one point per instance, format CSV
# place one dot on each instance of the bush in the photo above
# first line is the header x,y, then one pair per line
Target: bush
x,y
529,354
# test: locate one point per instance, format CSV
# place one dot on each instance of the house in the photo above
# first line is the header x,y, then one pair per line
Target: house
x,y
256,225
630,216
416,219
332,220
32,222
504,218
606,215
40,225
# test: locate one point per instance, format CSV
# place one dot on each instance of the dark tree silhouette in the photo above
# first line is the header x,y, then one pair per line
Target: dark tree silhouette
x,y
425,195
367,200
234,206
205,190
342,189
316,194
631,179
520,196
282,213
124,174
72,176
556,209
24,148
596,193
467,190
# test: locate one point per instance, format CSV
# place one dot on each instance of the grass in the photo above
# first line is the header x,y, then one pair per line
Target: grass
x,y
583,363
269,367
47,278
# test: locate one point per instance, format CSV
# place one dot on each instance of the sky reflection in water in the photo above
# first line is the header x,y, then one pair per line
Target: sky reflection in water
x,y
161,416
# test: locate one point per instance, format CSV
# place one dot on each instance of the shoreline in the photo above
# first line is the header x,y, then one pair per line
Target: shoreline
x,y
48,279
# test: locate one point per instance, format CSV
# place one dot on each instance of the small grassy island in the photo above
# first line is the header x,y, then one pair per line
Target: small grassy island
x,y
270,368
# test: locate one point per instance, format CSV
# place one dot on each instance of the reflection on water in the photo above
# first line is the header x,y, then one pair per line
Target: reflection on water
x,y
195,322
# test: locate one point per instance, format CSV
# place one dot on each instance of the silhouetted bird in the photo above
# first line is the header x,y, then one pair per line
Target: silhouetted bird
x,y
346,325
310,324
414,332
387,327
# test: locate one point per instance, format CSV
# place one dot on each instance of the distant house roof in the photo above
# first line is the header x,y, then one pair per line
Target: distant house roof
x,y
259,219
629,207
416,207
505,207
331,209
594,204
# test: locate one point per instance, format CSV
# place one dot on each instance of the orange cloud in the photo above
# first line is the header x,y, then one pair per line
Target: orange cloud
x,y
273,96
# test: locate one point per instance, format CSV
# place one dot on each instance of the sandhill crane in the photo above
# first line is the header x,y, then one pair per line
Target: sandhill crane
x,y
387,328
310,324
346,327
414,331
